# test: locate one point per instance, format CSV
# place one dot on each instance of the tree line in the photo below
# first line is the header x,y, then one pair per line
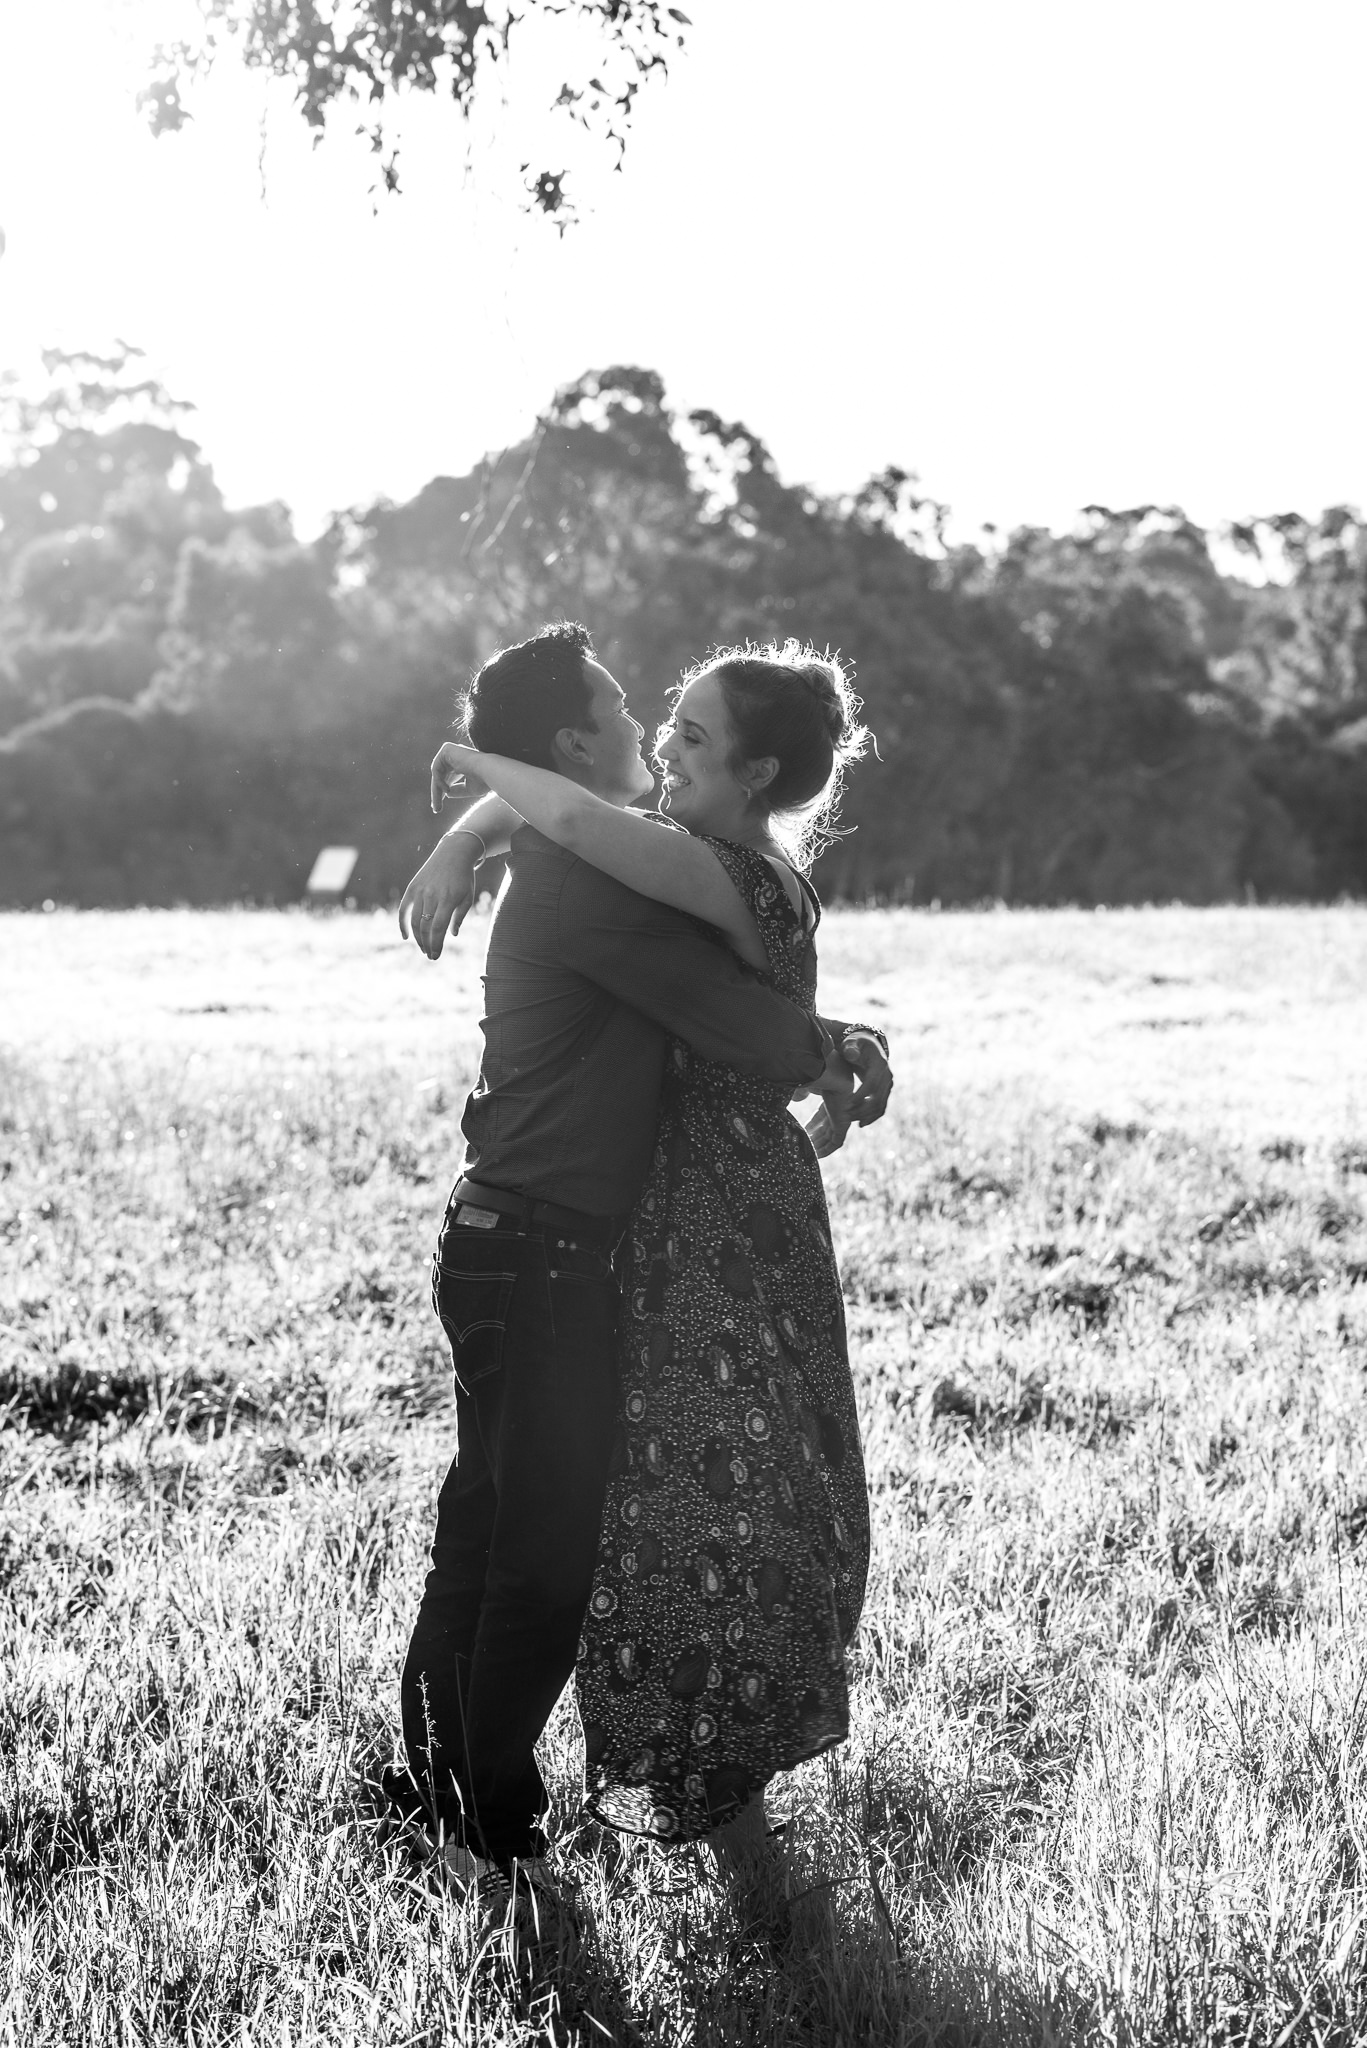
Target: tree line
x,y
192,700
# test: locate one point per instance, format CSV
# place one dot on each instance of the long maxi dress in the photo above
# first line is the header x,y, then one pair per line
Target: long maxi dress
x,y
735,1540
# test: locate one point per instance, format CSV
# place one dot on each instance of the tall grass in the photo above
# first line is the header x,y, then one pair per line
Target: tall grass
x,y
1107,1781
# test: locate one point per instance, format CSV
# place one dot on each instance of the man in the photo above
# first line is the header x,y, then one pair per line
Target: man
x,y
584,981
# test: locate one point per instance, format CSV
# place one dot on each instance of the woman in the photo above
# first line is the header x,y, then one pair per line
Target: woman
x,y
735,1536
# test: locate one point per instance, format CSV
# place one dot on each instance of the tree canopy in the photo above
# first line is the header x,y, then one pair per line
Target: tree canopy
x,y
192,700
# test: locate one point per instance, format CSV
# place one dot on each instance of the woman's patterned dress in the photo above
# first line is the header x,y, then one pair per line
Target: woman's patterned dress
x,y
735,1538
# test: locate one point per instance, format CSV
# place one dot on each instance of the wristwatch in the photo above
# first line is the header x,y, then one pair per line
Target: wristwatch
x,y
869,1032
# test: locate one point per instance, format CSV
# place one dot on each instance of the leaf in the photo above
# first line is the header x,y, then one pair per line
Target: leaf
x,y
370,50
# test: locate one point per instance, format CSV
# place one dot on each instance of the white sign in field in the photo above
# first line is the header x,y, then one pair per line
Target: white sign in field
x,y
332,870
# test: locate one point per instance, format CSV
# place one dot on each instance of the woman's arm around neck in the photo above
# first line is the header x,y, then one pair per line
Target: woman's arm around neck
x,y
668,867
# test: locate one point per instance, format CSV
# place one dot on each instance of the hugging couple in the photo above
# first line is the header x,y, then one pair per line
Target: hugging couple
x,y
659,1485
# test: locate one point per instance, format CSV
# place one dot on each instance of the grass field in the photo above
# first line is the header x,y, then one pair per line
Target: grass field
x,y
1106,1270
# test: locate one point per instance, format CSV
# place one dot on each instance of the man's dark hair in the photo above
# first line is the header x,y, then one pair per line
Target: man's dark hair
x,y
523,695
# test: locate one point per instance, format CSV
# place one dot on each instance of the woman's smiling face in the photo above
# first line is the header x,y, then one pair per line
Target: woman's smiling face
x,y
691,751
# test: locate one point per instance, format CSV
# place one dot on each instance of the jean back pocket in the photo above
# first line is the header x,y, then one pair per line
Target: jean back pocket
x,y
472,1292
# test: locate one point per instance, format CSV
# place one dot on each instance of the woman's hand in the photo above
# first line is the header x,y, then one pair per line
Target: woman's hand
x,y
440,895
451,763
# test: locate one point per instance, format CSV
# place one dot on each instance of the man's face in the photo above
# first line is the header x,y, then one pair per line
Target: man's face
x,y
616,771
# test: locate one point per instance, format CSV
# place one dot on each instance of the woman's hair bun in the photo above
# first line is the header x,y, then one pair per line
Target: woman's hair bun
x,y
827,683
799,707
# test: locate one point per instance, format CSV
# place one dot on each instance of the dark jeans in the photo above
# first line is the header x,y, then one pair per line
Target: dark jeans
x,y
531,1320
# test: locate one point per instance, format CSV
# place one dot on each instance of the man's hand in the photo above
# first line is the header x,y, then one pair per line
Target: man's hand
x,y
834,1089
440,894
842,1104
869,1062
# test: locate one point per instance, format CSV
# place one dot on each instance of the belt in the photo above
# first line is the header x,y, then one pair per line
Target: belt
x,y
532,1214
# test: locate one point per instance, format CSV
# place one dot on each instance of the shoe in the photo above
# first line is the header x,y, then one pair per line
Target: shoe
x,y
460,1871
463,1868
522,1893
741,1843
751,1854
525,1900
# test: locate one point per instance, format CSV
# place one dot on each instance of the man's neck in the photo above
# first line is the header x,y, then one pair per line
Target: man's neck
x,y
608,796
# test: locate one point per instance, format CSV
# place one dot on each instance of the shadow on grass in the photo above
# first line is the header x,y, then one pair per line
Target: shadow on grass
x,y
801,1947
800,1957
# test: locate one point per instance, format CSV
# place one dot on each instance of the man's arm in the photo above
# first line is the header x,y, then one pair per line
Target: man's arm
x,y
657,960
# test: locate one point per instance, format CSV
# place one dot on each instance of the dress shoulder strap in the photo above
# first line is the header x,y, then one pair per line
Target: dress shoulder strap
x,y
764,889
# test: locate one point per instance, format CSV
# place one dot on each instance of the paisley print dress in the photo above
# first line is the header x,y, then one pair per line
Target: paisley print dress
x,y
735,1537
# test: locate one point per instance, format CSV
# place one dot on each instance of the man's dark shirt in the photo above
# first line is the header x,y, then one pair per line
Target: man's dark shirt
x,y
583,983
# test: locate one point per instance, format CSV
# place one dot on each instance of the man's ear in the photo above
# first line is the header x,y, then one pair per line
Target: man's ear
x,y
571,749
757,775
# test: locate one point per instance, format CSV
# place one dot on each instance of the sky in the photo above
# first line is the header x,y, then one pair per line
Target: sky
x,y
1041,254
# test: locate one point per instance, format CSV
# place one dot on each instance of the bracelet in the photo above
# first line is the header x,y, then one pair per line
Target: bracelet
x,y
468,832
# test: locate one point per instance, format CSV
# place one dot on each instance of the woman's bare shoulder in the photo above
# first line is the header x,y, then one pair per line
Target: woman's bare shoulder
x,y
792,887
